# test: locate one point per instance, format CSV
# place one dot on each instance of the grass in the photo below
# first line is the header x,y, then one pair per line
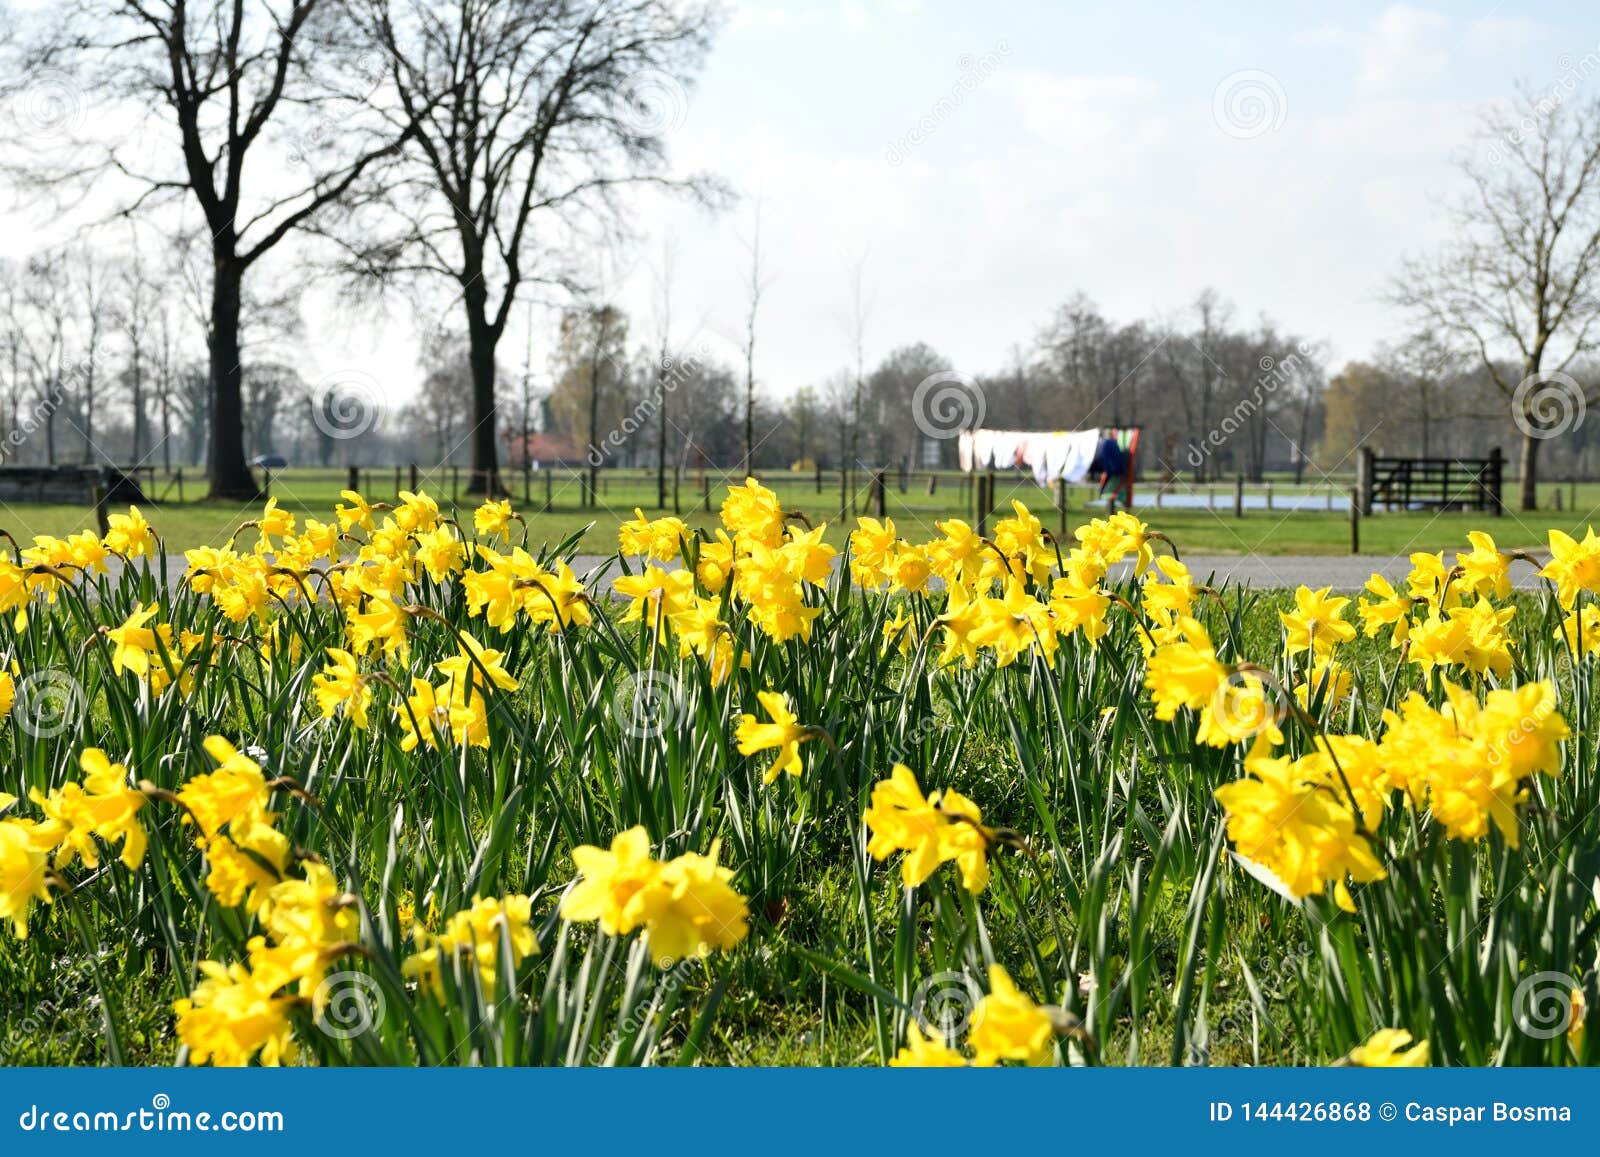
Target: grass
x,y
1199,531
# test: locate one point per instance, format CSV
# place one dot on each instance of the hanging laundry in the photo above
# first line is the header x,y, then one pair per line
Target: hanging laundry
x,y
1077,456
1050,456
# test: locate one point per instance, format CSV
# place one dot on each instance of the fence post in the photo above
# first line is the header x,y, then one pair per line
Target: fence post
x,y
1269,496
1364,479
880,500
1238,496
527,484
180,484
353,479
844,493
933,483
818,467
549,496
677,478
455,485
705,493
1497,477
98,492
413,477
1061,508
1355,520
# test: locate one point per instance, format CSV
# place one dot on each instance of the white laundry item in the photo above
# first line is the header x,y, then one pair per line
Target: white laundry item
x,y
964,450
982,449
1077,455
1005,446
1041,452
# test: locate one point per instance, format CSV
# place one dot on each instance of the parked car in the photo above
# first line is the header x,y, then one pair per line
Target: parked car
x,y
270,461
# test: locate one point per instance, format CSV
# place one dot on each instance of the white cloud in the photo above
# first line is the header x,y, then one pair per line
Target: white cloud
x,y
1491,35
1325,33
1405,45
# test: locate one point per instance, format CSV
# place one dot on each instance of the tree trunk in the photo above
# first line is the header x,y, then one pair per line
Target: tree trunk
x,y
749,417
661,430
1528,490
229,473
485,479
592,498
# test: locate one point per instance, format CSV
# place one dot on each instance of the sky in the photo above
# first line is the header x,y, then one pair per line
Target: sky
x,y
982,162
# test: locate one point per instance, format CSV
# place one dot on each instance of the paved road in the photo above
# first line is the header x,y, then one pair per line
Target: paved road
x,y
1342,572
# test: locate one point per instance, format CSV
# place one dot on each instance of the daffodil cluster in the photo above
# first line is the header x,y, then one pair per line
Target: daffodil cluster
x,y
1006,1026
685,905
480,936
240,1011
77,818
941,827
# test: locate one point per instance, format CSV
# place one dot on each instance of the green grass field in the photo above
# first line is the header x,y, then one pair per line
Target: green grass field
x,y
1200,531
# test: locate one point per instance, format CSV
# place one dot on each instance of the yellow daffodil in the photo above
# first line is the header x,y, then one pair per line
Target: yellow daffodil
x,y
1008,1026
1390,1048
784,734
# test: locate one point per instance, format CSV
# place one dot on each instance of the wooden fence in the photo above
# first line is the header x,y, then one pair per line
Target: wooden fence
x,y
1430,483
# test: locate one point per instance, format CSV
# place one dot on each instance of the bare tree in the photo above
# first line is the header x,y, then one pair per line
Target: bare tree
x,y
226,77
96,309
1425,366
856,331
1521,282
664,287
47,336
526,115
137,311
757,286
1191,360
528,393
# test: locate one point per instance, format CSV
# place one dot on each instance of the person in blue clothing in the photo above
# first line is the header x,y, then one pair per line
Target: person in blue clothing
x,y
1111,463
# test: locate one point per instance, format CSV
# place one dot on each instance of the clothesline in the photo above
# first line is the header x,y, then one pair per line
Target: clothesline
x,y
1051,455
